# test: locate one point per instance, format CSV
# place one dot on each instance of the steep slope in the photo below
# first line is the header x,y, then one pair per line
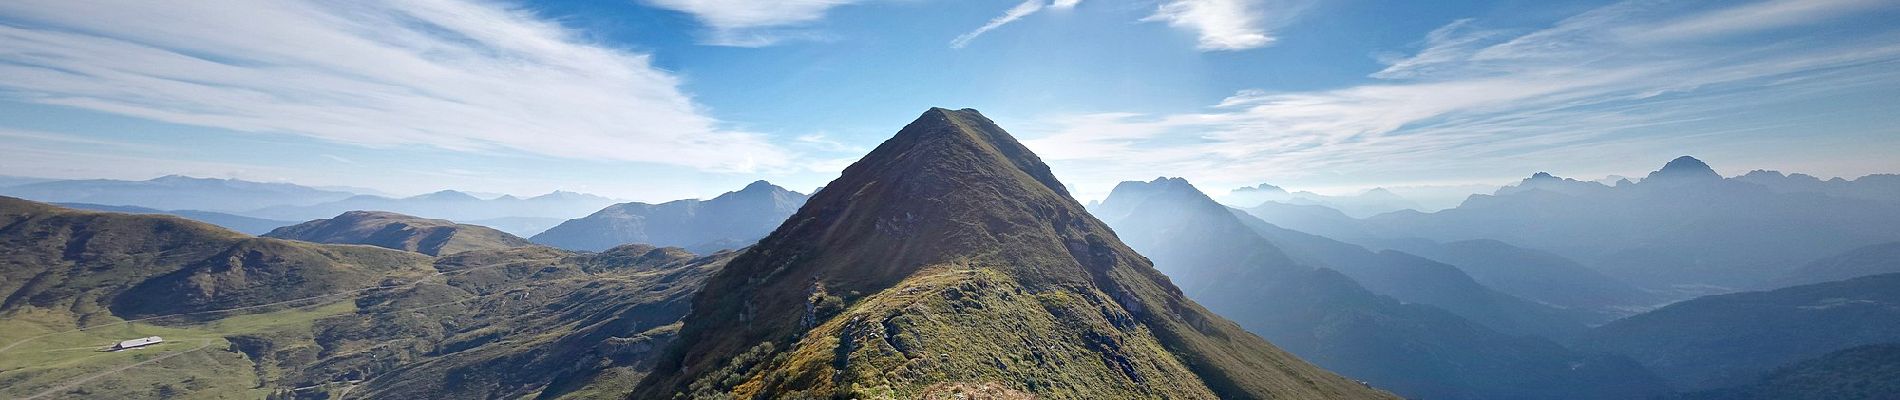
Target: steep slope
x,y
1538,276
510,323
401,232
1726,340
1862,373
729,221
174,192
950,257
1415,350
246,225
1871,260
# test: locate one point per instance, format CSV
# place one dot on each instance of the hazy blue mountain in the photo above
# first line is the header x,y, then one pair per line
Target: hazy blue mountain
x,y
1727,340
1883,187
1364,204
174,192
1413,349
1683,228
1414,279
1538,276
1314,219
1869,372
450,205
1877,259
6,180
247,225
729,221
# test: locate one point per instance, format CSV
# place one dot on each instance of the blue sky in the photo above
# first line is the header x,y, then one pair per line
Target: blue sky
x,y
665,99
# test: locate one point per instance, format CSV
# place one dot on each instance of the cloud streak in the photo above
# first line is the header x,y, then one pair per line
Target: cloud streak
x,y
1222,25
1021,10
752,23
452,74
1475,98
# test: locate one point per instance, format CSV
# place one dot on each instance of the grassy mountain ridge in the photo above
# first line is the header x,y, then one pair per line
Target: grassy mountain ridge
x,y
400,232
271,315
950,190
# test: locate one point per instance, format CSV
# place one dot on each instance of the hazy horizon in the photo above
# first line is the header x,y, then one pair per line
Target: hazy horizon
x,y
663,99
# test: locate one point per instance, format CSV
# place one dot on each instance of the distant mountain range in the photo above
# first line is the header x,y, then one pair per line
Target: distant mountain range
x,y
1365,204
247,225
729,221
1265,277
1876,259
400,232
174,192
1683,229
450,205
1538,276
234,199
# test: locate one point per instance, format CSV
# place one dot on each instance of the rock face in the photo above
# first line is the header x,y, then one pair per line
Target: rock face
x,y
730,221
401,232
951,255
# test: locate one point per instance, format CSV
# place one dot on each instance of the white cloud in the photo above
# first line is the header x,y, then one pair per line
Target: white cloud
x,y
752,23
452,74
1222,25
1014,13
1478,99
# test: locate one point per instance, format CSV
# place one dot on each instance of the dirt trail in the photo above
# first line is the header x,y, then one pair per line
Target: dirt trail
x,y
75,383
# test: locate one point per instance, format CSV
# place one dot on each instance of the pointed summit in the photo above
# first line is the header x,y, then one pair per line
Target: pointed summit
x,y
1684,168
947,257
760,185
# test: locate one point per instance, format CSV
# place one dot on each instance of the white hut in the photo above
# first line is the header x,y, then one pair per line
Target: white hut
x,y
140,342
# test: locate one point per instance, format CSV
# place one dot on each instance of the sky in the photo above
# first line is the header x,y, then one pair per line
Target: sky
x,y
656,100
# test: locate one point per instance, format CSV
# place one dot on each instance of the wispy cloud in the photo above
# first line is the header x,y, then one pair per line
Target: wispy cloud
x,y
1222,25
1473,97
453,74
753,23
1021,10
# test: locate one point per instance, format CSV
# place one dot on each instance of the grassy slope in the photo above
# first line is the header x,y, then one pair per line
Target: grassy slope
x,y
495,323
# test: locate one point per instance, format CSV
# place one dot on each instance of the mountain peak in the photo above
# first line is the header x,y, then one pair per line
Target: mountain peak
x,y
448,195
761,185
1685,168
952,219
1261,188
